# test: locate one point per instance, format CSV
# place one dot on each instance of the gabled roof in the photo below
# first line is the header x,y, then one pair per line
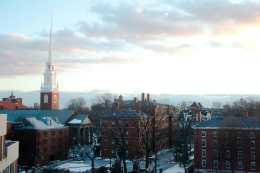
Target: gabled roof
x,y
194,104
241,122
125,114
9,105
200,104
62,115
81,117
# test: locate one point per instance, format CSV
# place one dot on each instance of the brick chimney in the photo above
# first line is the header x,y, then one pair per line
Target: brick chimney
x,y
121,98
245,114
148,97
137,107
143,96
199,117
116,106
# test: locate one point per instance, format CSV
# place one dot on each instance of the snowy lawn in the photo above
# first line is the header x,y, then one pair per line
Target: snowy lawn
x,y
175,168
75,166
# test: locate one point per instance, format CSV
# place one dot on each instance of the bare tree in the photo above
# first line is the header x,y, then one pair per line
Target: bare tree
x,y
76,103
118,135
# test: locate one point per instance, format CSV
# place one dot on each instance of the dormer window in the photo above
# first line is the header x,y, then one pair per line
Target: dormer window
x,y
48,122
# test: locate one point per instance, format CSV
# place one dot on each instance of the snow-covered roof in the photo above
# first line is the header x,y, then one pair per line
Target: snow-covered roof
x,y
75,121
44,123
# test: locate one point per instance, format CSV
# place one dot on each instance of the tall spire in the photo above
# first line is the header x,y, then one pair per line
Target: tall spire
x,y
50,59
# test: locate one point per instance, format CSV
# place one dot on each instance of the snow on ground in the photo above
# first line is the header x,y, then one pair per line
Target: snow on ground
x,y
75,166
175,168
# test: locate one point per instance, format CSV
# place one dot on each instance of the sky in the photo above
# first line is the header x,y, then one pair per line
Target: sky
x,y
179,47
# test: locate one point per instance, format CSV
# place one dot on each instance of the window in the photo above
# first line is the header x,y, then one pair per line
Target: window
x,y
65,139
126,153
42,157
215,153
252,135
45,98
203,134
215,164
203,153
239,154
126,143
37,158
44,134
239,165
203,163
214,134
203,143
112,133
239,144
126,134
227,164
227,144
65,132
252,144
55,98
126,124
112,152
227,154
119,134
49,67
252,165
119,124
112,143
215,143
252,155
113,124
239,134
227,135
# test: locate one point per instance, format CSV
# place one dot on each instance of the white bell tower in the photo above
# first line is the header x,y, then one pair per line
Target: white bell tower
x,y
49,88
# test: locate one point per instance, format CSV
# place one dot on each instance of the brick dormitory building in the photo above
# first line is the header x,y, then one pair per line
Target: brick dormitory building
x,y
227,144
131,117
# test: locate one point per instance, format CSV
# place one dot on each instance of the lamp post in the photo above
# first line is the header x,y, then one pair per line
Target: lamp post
x,y
18,168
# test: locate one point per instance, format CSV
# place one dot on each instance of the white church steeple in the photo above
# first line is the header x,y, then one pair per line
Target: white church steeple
x,y
49,84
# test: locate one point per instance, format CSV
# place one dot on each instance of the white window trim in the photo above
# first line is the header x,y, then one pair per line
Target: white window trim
x,y
202,133
205,163
238,135
205,153
228,164
215,134
251,165
214,163
238,144
214,153
238,154
251,155
241,165
251,146
202,142
253,134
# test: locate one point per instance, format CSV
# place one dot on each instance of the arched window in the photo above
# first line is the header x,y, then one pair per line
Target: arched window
x,y
45,98
55,99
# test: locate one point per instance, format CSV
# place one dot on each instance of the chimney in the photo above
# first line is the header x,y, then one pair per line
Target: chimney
x,y
121,98
245,114
143,96
137,107
135,100
148,97
154,100
116,106
199,117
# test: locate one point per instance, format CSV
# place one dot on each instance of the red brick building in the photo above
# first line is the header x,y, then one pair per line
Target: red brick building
x,y
12,103
131,116
227,144
41,141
